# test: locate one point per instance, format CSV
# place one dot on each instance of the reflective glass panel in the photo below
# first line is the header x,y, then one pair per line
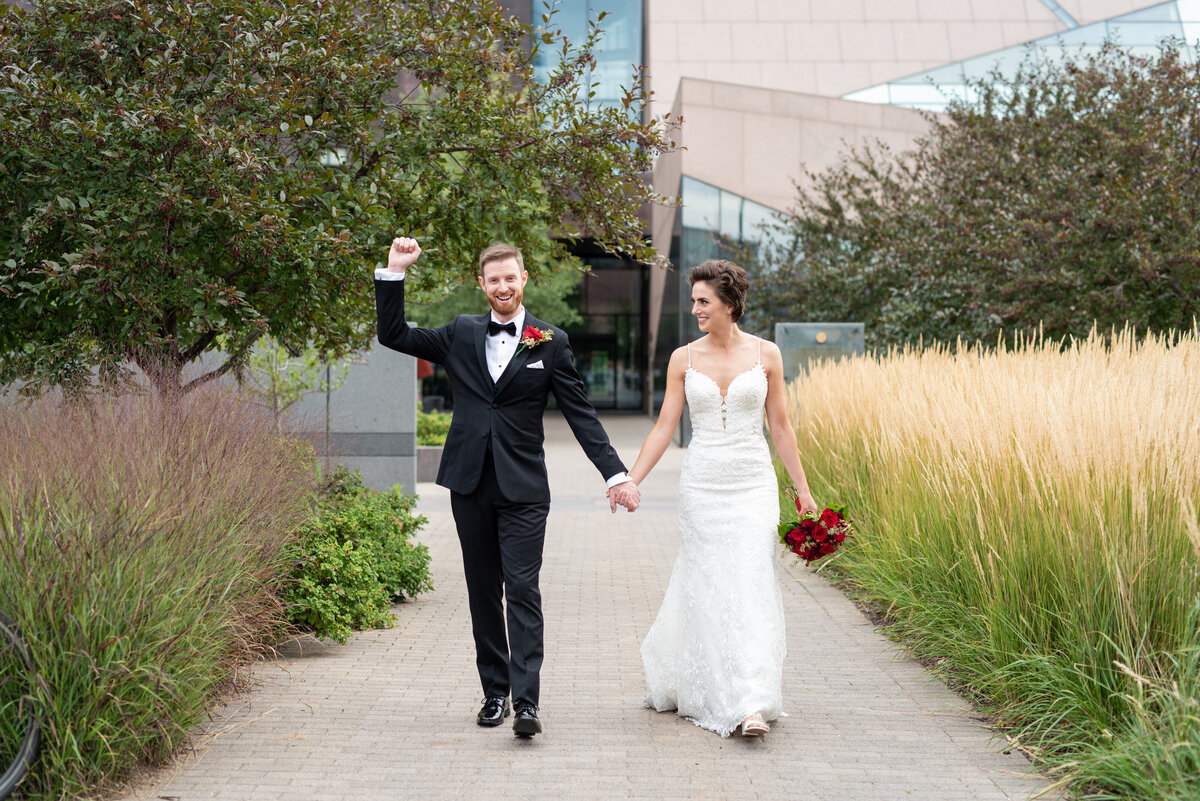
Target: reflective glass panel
x,y
1139,32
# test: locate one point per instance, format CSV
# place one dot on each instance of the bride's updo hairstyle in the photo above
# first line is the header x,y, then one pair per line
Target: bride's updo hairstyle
x,y
727,279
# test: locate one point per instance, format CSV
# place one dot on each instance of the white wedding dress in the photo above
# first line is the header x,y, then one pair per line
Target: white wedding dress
x,y
715,652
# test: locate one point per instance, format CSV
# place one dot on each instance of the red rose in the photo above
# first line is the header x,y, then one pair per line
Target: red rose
x,y
819,534
830,519
531,333
841,535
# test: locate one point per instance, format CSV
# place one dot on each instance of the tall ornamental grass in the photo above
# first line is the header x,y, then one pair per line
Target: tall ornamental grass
x,y
1027,517
142,548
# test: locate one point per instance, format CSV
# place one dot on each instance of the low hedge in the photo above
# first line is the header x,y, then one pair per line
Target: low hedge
x,y
355,559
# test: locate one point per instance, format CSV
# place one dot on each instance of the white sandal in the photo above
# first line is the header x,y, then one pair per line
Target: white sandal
x,y
754,725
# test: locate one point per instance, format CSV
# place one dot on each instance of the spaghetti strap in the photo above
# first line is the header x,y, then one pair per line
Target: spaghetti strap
x,y
689,350
759,351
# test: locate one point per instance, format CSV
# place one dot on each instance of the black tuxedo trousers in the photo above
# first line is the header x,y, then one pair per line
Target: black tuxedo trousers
x,y
495,468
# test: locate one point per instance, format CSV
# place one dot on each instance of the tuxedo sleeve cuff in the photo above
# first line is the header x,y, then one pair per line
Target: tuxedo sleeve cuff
x,y
619,478
384,274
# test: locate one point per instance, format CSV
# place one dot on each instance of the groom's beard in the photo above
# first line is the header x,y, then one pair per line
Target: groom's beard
x,y
504,309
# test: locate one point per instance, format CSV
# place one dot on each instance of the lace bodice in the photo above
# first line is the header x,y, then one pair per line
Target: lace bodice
x,y
739,411
736,413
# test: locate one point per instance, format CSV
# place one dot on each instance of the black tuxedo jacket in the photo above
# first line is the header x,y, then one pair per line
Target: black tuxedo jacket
x,y
506,414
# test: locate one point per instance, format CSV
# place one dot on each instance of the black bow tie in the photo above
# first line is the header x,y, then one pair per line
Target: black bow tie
x,y
495,328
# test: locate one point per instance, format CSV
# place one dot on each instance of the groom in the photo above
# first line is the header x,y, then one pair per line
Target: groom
x,y
502,368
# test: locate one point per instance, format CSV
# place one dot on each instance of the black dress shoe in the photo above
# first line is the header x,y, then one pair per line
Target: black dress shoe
x,y
495,709
526,723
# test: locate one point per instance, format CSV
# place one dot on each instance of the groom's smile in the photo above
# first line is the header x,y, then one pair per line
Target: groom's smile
x,y
503,281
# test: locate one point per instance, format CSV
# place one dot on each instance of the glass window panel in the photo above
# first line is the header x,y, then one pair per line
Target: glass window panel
x,y
757,221
1144,33
937,96
701,204
1189,10
875,94
731,215
1164,12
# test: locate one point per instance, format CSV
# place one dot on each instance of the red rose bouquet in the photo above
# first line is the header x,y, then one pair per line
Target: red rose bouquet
x,y
815,536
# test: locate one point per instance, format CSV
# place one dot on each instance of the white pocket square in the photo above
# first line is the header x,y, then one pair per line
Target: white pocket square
x,y
535,365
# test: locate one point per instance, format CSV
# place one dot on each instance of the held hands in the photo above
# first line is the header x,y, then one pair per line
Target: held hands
x,y
402,254
626,494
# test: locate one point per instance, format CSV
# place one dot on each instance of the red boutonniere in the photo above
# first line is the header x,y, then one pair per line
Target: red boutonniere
x,y
815,536
532,337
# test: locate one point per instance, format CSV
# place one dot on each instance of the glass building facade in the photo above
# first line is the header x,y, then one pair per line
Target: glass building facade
x,y
621,47
1137,32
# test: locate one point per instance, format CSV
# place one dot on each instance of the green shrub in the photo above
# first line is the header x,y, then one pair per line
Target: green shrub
x,y
356,558
432,427
142,550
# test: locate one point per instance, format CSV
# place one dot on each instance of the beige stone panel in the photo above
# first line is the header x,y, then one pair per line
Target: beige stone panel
x,y
790,76
663,80
891,10
771,160
735,72
822,145
800,106
926,40
886,71
862,115
662,44
1016,33
694,92
721,10
903,121
759,41
740,97
785,10
715,144
944,10
813,41
704,41
867,41
998,10
1085,11
969,39
838,79
671,11
838,10
1036,11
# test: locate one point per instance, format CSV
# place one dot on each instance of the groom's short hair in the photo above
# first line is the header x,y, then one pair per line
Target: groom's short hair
x,y
499,251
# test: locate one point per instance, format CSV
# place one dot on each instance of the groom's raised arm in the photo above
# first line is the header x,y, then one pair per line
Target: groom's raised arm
x,y
392,328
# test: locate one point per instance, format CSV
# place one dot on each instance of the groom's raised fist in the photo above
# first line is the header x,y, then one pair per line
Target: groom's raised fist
x,y
402,254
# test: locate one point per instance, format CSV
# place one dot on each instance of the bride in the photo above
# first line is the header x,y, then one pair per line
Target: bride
x,y
715,652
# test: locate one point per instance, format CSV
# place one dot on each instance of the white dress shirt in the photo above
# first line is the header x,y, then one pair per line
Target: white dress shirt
x,y
498,350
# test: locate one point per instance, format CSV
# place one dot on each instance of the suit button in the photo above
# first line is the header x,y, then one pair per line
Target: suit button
x,y
495,406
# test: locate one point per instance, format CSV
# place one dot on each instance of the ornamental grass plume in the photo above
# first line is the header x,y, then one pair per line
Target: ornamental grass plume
x,y
1029,515
141,551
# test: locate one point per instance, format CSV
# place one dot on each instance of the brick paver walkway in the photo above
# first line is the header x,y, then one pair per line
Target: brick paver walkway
x,y
390,715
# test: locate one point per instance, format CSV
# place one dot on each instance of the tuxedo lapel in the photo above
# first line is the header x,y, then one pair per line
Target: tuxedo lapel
x,y
480,337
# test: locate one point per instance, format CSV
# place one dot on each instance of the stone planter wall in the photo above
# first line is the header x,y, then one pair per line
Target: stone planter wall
x,y
428,459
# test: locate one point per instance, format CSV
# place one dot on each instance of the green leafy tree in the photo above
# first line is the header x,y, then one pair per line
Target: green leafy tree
x,y
174,175
1066,197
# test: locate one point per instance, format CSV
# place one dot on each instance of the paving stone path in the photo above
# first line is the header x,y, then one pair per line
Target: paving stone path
x,y
390,714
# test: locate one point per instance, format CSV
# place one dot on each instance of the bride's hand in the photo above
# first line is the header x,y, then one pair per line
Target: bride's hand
x,y
807,504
